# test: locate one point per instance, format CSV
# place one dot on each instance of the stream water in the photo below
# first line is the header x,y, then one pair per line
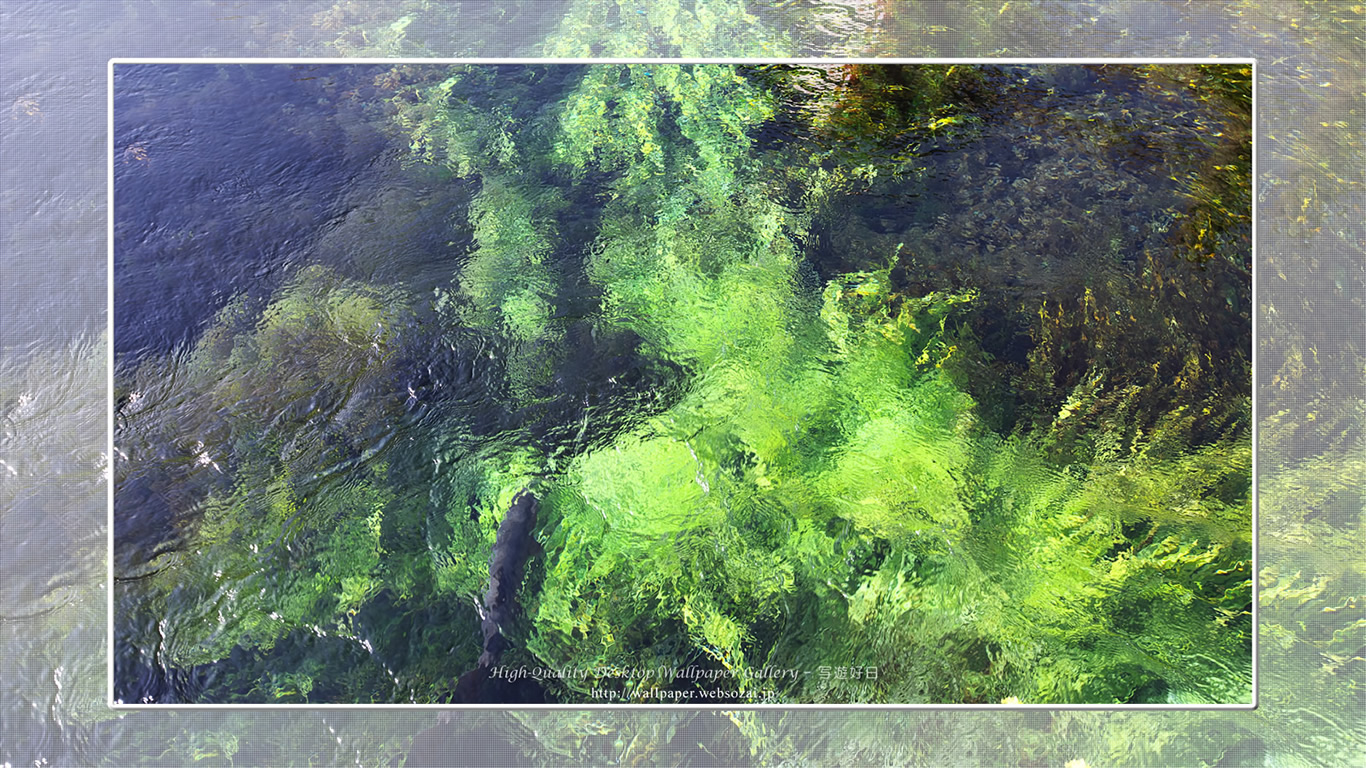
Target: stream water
x,y
232,181
54,465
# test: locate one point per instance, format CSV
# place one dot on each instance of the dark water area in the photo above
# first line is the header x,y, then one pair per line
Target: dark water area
x,y
231,180
224,177
1077,177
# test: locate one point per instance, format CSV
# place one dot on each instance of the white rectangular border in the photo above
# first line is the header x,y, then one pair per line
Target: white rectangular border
x,y
1130,61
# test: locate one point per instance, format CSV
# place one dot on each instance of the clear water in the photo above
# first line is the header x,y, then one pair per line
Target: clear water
x,y
240,188
53,492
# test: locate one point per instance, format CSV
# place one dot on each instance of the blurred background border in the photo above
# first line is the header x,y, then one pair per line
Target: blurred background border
x,y
1311,279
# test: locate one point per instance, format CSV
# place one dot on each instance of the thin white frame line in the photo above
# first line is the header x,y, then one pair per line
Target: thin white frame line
x,y
688,61
818,62
112,462
1253,318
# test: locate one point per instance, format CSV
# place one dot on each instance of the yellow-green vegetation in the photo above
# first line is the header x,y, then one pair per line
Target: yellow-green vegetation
x,y
619,28
863,476
294,402
509,281
313,355
822,493
267,562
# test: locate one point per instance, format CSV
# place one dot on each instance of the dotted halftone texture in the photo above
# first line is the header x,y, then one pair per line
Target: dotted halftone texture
x,y
52,312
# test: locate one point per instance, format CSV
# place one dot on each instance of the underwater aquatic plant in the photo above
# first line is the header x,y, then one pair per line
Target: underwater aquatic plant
x,y
822,475
836,476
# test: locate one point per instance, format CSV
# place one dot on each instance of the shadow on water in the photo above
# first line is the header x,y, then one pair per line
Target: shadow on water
x,y
225,175
1035,185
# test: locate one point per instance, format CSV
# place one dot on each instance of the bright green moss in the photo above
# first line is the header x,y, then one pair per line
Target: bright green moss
x,y
823,487
818,489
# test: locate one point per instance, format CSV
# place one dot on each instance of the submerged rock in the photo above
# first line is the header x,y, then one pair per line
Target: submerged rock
x,y
513,545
